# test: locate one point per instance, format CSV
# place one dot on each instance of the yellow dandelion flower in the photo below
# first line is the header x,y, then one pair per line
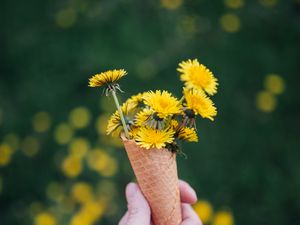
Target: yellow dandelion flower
x,y
188,134
133,132
173,124
114,123
163,103
199,103
154,138
106,78
136,100
143,117
196,75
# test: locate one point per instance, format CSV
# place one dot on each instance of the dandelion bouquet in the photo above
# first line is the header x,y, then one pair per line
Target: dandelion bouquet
x,y
152,123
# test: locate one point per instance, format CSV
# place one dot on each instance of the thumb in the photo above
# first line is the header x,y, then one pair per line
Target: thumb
x,y
138,208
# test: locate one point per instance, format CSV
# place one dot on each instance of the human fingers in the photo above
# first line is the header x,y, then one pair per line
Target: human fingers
x,y
138,208
187,193
124,219
189,217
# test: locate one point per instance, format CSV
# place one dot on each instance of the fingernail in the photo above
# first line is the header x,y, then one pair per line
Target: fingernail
x,y
131,190
193,192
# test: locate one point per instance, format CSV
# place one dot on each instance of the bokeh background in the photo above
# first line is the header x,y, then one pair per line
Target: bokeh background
x,y
57,166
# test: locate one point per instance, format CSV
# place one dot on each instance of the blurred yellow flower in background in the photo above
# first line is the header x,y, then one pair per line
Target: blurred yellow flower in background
x,y
230,22
171,4
204,210
79,147
101,162
67,205
234,4
72,166
5,154
274,84
88,214
110,169
106,78
188,25
199,103
55,191
41,122
101,123
196,75
80,117
106,189
94,209
154,138
12,140
97,159
188,134
63,133
223,218
82,192
45,219
30,146
66,18
81,219
265,101
163,103
268,3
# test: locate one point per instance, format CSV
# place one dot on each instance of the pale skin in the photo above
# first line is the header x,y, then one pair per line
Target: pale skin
x,y
138,212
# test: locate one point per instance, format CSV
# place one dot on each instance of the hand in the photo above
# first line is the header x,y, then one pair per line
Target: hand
x,y
138,212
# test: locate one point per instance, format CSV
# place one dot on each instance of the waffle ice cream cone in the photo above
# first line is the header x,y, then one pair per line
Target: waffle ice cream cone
x,y
156,173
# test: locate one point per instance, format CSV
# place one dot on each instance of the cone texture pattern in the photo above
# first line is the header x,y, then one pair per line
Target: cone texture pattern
x,y
156,173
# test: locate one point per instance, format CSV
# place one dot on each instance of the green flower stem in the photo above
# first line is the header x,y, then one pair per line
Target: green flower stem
x,y
121,113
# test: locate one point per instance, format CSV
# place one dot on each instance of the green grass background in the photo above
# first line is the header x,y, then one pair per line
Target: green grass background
x,y
247,160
